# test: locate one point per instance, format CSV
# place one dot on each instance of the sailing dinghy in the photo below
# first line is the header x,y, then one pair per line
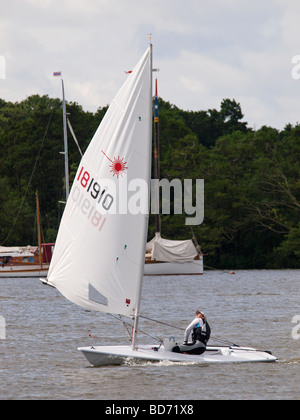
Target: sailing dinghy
x,y
98,259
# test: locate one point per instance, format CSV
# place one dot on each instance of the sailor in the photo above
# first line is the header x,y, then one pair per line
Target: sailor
x,y
201,332
200,328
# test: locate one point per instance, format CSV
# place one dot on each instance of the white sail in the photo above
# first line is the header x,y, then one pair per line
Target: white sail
x,y
99,253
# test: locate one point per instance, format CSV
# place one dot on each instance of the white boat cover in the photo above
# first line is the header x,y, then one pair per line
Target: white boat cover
x,y
171,251
15,251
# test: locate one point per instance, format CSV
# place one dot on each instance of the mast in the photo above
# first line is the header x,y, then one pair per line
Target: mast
x,y
58,73
137,310
156,162
39,227
65,141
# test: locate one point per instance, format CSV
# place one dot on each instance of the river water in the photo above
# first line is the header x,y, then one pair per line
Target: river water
x,y
259,308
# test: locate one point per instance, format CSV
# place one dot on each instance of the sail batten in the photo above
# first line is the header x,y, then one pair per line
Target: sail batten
x,y
99,252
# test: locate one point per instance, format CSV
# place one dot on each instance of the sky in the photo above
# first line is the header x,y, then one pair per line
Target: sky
x,y
206,51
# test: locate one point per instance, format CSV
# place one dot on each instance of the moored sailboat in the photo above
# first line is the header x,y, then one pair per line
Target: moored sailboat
x,y
26,261
98,261
166,256
170,257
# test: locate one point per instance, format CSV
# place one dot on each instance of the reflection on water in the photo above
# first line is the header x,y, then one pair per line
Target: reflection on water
x,y
39,360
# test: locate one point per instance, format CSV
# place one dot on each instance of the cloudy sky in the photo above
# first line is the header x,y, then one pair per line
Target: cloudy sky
x,y
205,50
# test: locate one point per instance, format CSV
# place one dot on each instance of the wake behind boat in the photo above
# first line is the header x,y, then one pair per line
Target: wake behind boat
x,y
98,259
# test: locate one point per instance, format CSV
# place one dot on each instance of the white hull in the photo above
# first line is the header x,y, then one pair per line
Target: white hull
x,y
25,271
115,355
172,268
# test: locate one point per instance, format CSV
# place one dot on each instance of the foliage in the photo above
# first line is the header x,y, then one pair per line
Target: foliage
x,y
252,179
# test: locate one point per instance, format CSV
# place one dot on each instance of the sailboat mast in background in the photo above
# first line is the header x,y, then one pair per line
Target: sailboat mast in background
x,y
65,140
39,229
58,73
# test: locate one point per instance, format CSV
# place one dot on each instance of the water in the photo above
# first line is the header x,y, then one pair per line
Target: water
x,y
39,358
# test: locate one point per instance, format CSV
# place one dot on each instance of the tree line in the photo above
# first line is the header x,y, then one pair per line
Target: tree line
x,y
252,178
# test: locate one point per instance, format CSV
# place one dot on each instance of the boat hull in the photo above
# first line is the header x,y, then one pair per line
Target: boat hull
x,y
25,271
116,355
155,268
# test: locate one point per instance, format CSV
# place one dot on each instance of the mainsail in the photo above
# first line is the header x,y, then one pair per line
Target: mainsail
x,y
98,258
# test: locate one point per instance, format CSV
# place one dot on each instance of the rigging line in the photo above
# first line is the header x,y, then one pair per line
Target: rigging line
x,y
231,343
159,340
125,324
30,179
163,323
218,269
183,329
74,137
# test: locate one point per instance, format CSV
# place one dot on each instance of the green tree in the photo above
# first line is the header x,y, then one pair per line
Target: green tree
x,y
252,188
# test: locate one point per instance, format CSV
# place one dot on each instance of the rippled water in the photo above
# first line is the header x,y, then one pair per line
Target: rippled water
x,y
39,360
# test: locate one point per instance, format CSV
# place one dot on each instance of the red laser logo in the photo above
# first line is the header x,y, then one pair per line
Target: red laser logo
x,y
118,166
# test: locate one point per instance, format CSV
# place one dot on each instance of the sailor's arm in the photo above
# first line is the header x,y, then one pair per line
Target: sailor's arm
x,y
189,329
